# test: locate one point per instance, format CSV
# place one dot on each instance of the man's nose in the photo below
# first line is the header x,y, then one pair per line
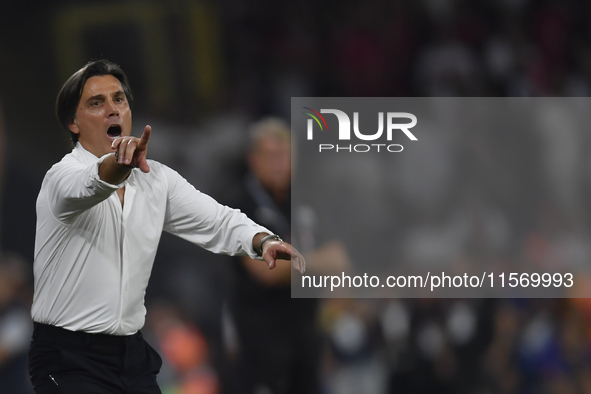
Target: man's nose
x,y
112,109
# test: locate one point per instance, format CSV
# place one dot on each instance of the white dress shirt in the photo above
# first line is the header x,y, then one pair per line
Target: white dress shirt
x,y
93,256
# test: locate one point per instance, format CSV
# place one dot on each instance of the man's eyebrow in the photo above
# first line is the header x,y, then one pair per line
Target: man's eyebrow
x,y
102,96
96,97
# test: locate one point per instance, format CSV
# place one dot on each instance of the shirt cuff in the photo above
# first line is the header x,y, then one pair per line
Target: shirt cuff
x,y
248,246
102,184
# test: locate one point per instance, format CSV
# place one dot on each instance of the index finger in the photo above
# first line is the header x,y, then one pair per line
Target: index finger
x,y
145,137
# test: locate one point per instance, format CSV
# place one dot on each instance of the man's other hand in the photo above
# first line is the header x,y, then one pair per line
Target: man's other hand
x,y
278,250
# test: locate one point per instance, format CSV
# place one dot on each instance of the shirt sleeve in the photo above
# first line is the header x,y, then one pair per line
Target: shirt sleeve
x,y
200,219
74,188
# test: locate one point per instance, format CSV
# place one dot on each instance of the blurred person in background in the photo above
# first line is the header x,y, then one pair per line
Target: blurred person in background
x,y
2,154
100,214
15,300
279,341
186,367
15,325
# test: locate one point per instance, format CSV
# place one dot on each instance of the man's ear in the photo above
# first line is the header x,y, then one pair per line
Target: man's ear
x,y
74,127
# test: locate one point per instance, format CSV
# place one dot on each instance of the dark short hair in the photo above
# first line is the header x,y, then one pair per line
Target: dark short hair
x,y
69,96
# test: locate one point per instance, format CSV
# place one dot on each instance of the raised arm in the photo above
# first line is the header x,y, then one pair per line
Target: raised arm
x,y
73,187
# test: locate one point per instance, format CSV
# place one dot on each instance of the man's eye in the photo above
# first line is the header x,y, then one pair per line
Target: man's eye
x,y
96,103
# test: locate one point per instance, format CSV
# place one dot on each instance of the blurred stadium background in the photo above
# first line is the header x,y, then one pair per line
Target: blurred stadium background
x,y
201,71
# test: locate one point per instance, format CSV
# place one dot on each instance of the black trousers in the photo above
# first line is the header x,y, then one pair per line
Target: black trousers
x,y
68,362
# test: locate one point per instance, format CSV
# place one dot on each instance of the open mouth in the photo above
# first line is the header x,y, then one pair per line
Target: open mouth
x,y
114,132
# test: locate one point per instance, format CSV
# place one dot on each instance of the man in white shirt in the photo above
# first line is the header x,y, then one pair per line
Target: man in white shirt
x,y
100,213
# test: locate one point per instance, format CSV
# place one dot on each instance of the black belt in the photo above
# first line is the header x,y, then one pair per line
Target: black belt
x,y
45,332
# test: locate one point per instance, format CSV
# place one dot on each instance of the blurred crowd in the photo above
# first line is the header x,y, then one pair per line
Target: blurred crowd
x,y
275,50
